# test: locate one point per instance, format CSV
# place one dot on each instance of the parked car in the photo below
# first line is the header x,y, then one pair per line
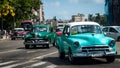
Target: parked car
x,y
112,31
59,31
41,35
17,33
85,40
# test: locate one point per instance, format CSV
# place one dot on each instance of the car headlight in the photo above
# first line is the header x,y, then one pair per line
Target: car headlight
x,y
76,44
46,37
112,43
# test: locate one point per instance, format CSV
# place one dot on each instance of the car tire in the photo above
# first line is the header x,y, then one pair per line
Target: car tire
x,y
54,44
110,59
27,46
70,57
118,39
61,55
47,46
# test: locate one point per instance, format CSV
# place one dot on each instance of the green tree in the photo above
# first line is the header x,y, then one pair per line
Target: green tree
x,y
98,17
6,12
101,19
90,17
17,10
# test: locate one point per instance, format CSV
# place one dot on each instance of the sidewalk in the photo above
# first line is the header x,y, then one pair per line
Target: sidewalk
x,y
4,38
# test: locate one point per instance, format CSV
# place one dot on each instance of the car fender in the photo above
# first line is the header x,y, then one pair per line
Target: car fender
x,y
59,44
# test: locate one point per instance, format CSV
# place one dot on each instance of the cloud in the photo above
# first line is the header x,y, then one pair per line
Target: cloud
x,y
73,1
55,3
99,1
63,12
87,1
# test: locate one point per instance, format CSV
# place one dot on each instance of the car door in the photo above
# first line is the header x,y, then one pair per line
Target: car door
x,y
113,33
106,31
66,33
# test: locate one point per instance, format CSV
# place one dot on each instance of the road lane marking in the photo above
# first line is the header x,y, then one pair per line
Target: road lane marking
x,y
40,57
51,66
15,65
8,51
5,63
38,64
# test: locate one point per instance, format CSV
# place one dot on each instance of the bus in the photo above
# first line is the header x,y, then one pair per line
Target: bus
x,y
27,25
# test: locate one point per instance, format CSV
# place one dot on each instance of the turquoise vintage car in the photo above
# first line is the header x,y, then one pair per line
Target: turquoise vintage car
x,y
41,35
85,39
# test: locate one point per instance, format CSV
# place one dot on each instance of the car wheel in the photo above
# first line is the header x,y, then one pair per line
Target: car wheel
x,y
54,44
70,57
61,55
118,39
47,46
110,59
12,38
27,46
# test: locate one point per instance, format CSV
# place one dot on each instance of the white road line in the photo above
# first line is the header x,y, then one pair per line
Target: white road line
x,y
17,64
38,64
51,66
5,63
22,63
8,51
40,57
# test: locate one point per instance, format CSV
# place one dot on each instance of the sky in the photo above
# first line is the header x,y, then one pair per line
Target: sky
x,y
64,9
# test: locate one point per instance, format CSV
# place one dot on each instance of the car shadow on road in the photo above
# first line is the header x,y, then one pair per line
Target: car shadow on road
x,y
57,61
33,48
118,56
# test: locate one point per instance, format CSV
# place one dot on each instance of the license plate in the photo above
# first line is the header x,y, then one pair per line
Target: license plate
x,y
97,54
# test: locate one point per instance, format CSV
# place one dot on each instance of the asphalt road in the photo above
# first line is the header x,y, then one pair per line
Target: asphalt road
x,y
14,55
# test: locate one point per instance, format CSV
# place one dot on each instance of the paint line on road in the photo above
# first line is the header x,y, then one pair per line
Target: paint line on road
x,y
38,64
22,63
51,66
35,51
15,65
8,51
40,57
5,63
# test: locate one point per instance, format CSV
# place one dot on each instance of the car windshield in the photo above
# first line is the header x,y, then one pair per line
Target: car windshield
x,y
19,30
118,28
85,29
40,29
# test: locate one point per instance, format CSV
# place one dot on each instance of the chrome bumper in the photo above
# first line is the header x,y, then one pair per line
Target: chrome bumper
x,y
92,54
40,43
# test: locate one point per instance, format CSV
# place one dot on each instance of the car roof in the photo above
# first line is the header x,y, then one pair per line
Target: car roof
x,y
18,28
82,23
111,26
42,25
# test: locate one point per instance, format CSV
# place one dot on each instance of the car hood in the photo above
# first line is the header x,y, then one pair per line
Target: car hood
x,y
90,39
37,34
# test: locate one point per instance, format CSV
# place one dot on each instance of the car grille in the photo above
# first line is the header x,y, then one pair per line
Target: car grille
x,y
36,40
95,48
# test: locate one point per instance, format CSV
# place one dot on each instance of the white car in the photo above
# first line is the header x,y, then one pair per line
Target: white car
x,y
112,31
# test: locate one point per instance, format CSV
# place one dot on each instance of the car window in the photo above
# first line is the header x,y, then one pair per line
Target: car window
x,y
105,29
118,28
113,30
40,29
66,30
85,29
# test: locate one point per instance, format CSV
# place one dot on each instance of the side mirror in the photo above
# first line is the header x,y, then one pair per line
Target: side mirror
x,y
105,33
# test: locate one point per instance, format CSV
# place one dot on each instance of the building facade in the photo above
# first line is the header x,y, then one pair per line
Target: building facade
x,y
77,18
112,10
